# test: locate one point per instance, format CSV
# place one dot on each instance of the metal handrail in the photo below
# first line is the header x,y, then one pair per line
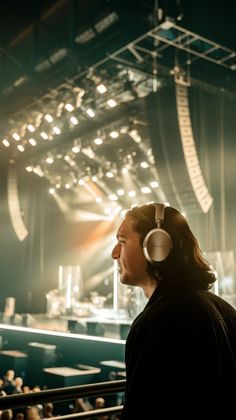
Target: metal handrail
x,y
62,394
89,414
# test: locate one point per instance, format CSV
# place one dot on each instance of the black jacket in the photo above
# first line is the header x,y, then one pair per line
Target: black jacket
x,y
181,358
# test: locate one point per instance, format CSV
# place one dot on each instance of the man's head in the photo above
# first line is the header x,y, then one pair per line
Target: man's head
x,y
10,375
184,256
18,381
129,254
99,402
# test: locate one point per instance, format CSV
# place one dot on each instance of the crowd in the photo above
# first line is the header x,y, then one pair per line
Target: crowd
x,y
9,384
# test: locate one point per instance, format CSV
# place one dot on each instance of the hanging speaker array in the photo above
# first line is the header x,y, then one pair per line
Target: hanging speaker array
x,y
174,149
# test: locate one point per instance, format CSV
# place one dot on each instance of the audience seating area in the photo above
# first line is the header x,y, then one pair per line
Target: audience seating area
x,y
37,368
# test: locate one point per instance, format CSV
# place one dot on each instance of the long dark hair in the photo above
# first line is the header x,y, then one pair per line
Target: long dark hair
x,y
186,262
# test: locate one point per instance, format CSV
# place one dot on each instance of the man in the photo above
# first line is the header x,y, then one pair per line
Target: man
x,y
181,349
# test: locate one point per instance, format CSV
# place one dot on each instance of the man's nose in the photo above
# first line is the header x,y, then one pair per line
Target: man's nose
x,y
115,253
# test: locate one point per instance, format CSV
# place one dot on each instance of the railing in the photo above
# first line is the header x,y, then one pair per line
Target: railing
x,y
68,393
90,414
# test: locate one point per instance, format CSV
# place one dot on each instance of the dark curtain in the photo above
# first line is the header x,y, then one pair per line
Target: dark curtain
x,y
214,125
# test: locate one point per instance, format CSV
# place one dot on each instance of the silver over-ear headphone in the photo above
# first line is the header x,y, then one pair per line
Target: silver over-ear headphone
x,y
157,243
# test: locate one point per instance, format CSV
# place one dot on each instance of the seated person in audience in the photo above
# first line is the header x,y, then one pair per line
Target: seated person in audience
x,y
48,410
32,413
9,383
18,385
99,404
37,388
82,405
18,390
19,416
6,415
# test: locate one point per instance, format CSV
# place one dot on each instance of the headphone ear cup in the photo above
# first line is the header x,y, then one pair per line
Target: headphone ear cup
x,y
157,245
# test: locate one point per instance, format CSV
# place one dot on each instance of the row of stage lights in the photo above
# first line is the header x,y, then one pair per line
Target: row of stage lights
x,y
50,160
112,197
83,181
114,134
55,124
69,157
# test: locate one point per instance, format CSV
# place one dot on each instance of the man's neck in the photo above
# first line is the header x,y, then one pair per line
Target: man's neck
x,y
149,288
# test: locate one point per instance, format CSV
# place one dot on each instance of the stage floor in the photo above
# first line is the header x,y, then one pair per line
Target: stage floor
x,y
92,326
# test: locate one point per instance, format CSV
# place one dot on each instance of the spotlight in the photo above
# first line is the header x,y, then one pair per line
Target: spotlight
x,y
101,88
109,174
16,136
75,149
48,118
154,184
21,148
90,113
74,120
111,103
113,197
114,134
31,128
56,130
132,193
98,141
49,160
124,170
69,107
5,142
32,142
44,135
146,190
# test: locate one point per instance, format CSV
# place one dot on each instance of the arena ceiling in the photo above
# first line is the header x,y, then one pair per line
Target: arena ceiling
x,y
33,32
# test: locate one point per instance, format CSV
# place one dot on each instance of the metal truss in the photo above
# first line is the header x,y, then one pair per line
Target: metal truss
x,y
162,42
155,52
169,34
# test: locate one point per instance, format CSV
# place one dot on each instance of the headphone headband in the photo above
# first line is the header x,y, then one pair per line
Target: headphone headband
x,y
159,213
